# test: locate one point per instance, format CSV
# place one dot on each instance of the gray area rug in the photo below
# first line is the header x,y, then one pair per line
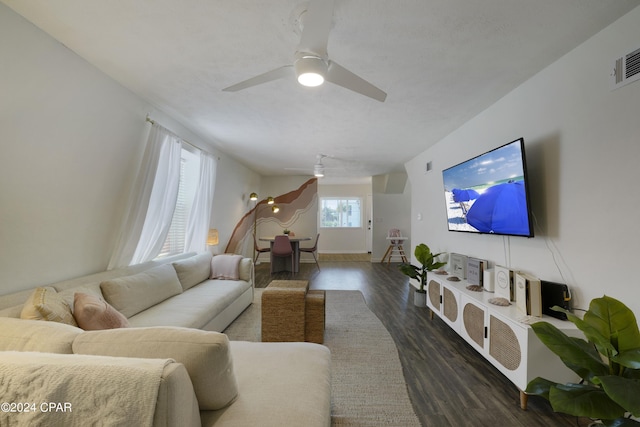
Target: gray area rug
x,y
367,386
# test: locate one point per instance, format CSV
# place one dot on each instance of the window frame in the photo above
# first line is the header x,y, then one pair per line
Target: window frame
x,y
348,201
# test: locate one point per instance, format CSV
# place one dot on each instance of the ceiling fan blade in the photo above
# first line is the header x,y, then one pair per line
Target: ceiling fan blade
x,y
340,76
279,73
316,23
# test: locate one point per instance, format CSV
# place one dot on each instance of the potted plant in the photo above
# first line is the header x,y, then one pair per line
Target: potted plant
x,y
609,365
428,261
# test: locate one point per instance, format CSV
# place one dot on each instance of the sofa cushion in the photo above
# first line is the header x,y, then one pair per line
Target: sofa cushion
x,y
90,289
17,298
36,335
193,270
93,313
12,311
279,384
132,294
194,308
246,270
46,304
225,266
206,355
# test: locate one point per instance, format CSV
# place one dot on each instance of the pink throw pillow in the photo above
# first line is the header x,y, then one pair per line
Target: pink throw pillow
x,y
225,266
92,313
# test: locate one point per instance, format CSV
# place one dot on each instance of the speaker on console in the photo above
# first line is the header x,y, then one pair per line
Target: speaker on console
x,y
555,294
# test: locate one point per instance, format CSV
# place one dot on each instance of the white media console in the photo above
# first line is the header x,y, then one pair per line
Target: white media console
x,y
500,334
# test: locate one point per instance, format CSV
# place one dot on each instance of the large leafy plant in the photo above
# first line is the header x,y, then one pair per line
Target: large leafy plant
x,y
608,363
428,262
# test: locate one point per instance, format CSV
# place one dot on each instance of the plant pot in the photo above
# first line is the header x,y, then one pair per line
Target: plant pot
x,y
420,298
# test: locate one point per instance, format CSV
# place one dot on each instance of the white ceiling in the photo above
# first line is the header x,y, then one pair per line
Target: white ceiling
x,y
441,62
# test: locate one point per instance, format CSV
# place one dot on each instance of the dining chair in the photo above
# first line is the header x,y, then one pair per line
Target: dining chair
x,y
258,249
313,250
282,249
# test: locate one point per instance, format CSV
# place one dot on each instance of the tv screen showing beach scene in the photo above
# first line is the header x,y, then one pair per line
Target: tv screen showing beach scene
x,y
489,193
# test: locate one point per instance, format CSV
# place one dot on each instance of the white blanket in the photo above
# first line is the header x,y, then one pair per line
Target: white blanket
x,y
75,390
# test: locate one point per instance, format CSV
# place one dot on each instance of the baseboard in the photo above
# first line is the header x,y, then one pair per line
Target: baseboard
x,y
343,252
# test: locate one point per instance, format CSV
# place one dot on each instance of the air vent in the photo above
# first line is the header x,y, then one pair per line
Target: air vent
x,y
626,69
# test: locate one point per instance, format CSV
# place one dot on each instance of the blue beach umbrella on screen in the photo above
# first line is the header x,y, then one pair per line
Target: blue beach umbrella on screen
x,y
501,209
464,195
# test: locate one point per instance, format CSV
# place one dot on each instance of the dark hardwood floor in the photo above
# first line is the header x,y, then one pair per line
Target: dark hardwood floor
x,y
449,383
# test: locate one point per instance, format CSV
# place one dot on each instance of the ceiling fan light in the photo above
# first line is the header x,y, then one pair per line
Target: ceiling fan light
x,y
310,79
310,71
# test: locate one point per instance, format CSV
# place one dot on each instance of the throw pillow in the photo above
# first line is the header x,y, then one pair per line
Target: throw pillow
x,y
225,266
36,335
193,270
205,354
132,294
46,304
92,313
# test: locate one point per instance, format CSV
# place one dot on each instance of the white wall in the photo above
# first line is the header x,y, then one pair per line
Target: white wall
x,y
71,140
582,153
305,224
391,211
234,183
344,240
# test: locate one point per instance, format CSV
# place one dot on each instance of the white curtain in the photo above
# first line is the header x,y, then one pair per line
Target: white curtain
x,y
152,201
200,215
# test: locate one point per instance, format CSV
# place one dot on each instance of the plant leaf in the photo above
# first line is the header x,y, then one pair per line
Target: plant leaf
x,y
629,359
623,391
422,253
409,270
577,354
593,334
615,321
539,387
584,401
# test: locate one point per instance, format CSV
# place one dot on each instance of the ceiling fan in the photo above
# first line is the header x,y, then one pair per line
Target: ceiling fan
x,y
311,63
318,167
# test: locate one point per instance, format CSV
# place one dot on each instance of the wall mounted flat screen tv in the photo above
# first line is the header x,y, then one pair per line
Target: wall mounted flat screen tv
x,y
490,193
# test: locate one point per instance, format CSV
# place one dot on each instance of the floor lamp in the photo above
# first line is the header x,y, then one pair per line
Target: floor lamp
x,y
274,208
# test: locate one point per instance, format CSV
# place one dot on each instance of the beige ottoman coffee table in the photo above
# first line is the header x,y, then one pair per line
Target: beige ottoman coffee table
x,y
290,312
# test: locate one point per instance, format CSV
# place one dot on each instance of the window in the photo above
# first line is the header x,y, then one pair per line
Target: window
x,y
189,172
340,212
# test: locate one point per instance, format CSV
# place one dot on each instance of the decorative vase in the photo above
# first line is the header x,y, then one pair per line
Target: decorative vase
x,y
420,298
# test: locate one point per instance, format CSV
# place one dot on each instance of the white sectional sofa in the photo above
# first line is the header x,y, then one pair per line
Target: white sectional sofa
x,y
174,291
193,375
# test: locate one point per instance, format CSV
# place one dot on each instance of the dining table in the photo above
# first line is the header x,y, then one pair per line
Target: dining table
x,y
281,264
